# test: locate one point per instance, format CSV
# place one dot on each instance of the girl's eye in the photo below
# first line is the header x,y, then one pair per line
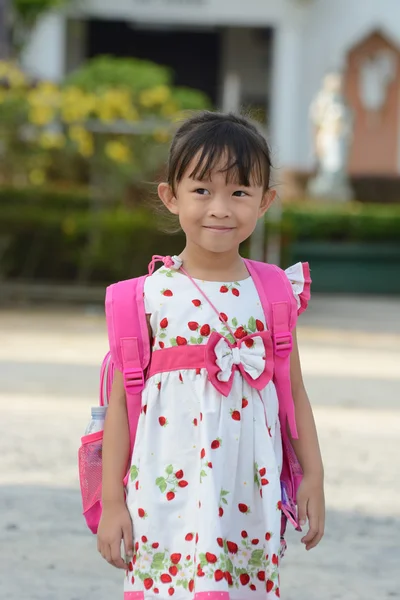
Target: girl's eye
x,y
201,191
240,194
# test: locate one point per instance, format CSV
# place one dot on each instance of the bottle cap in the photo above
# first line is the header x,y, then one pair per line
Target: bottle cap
x,y
98,412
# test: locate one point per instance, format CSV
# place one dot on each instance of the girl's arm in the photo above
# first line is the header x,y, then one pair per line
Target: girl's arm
x,y
115,523
310,496
115,444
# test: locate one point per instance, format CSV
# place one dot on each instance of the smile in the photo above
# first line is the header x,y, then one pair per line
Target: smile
x,y
220,229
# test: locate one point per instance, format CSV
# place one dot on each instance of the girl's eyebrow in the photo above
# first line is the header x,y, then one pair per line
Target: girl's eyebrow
x,y
229,183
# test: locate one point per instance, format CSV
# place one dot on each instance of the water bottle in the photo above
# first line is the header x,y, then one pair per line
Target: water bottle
x,y
97,421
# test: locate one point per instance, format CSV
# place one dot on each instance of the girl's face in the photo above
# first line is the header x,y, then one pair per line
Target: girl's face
x,y
214,214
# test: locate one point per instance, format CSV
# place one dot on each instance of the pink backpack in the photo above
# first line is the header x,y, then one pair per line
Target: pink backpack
x,y
130,352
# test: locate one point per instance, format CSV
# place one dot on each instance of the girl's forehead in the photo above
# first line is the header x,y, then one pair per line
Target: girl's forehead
x,y
207,162
221,169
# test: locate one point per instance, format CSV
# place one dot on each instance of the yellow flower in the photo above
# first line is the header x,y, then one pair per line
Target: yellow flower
x,y
41,115
169,109
161,135
50,140
76,105
105,113
77,133
154,96
48,87
83,140
17,79
118,152
46,94
131,114
44,102
86,147
37,177
13,74
128,112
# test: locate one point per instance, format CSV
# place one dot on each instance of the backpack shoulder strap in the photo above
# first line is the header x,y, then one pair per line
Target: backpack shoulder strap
x,y
129,340
280,310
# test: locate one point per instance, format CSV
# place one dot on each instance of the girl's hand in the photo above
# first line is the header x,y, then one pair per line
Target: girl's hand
x,y
311,505
115,525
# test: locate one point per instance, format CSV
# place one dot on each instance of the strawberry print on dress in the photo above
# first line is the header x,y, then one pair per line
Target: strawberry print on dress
x,y
204,486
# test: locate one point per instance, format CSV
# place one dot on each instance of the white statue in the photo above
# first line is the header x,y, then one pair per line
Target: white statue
x,y
333,125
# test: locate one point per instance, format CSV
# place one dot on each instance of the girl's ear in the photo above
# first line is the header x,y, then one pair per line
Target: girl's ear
x,y
167,197
267,199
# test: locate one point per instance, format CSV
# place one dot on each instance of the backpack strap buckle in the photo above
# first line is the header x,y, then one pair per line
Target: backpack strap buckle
x,y
132,366
133,380
283,344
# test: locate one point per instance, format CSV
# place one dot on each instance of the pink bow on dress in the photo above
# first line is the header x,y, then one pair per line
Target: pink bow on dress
x,y
252,356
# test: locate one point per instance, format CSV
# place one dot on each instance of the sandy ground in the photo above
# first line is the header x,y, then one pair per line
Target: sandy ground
x,y
49,377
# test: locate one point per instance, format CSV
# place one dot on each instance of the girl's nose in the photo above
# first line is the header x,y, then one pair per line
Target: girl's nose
x,y
220,208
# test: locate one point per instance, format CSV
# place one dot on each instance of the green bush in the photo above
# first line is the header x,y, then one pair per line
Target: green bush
x,y
105,72
54,235
354,222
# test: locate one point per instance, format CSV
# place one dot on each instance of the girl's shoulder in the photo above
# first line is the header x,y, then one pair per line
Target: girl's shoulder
x,y
160,286
300,280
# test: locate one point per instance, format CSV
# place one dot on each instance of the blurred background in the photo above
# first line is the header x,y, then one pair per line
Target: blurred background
x,y
90,95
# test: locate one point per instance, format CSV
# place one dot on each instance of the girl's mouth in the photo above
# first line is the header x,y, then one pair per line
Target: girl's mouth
x,y
219,229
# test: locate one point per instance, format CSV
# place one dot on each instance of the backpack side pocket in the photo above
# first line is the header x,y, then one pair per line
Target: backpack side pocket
x,y
90,474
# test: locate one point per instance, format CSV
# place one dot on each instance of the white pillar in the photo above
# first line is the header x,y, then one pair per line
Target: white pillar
x,y
286,93
231,92
44,55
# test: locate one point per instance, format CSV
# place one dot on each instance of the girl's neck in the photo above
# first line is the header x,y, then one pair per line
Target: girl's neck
x,y
213,266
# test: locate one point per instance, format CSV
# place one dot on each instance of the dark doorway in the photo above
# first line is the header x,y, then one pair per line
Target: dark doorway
x,y
194,56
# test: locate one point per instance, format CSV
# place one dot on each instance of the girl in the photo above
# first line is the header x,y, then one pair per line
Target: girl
x,y
201,517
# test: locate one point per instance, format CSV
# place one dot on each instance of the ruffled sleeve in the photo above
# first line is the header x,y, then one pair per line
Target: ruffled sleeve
x,y
300,280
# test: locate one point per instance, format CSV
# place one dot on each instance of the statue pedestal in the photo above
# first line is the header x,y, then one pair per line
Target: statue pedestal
x,y
333,186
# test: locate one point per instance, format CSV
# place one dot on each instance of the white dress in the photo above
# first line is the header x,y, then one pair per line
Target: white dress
x,y
204,489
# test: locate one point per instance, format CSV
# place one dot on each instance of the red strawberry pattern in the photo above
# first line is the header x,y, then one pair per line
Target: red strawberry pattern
x,y
215,444
148,583
222,500
170,482
193,440
157,568
205,330
240,333
259,325
235,414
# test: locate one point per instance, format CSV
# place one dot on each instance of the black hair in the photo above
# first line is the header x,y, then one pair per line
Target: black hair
x,y
214,136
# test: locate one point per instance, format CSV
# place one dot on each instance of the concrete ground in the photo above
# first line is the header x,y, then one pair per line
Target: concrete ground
x,y
49,362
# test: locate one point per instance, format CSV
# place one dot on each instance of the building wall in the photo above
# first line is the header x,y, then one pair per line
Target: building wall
x,y
209,12
330,31
247,52
311,37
